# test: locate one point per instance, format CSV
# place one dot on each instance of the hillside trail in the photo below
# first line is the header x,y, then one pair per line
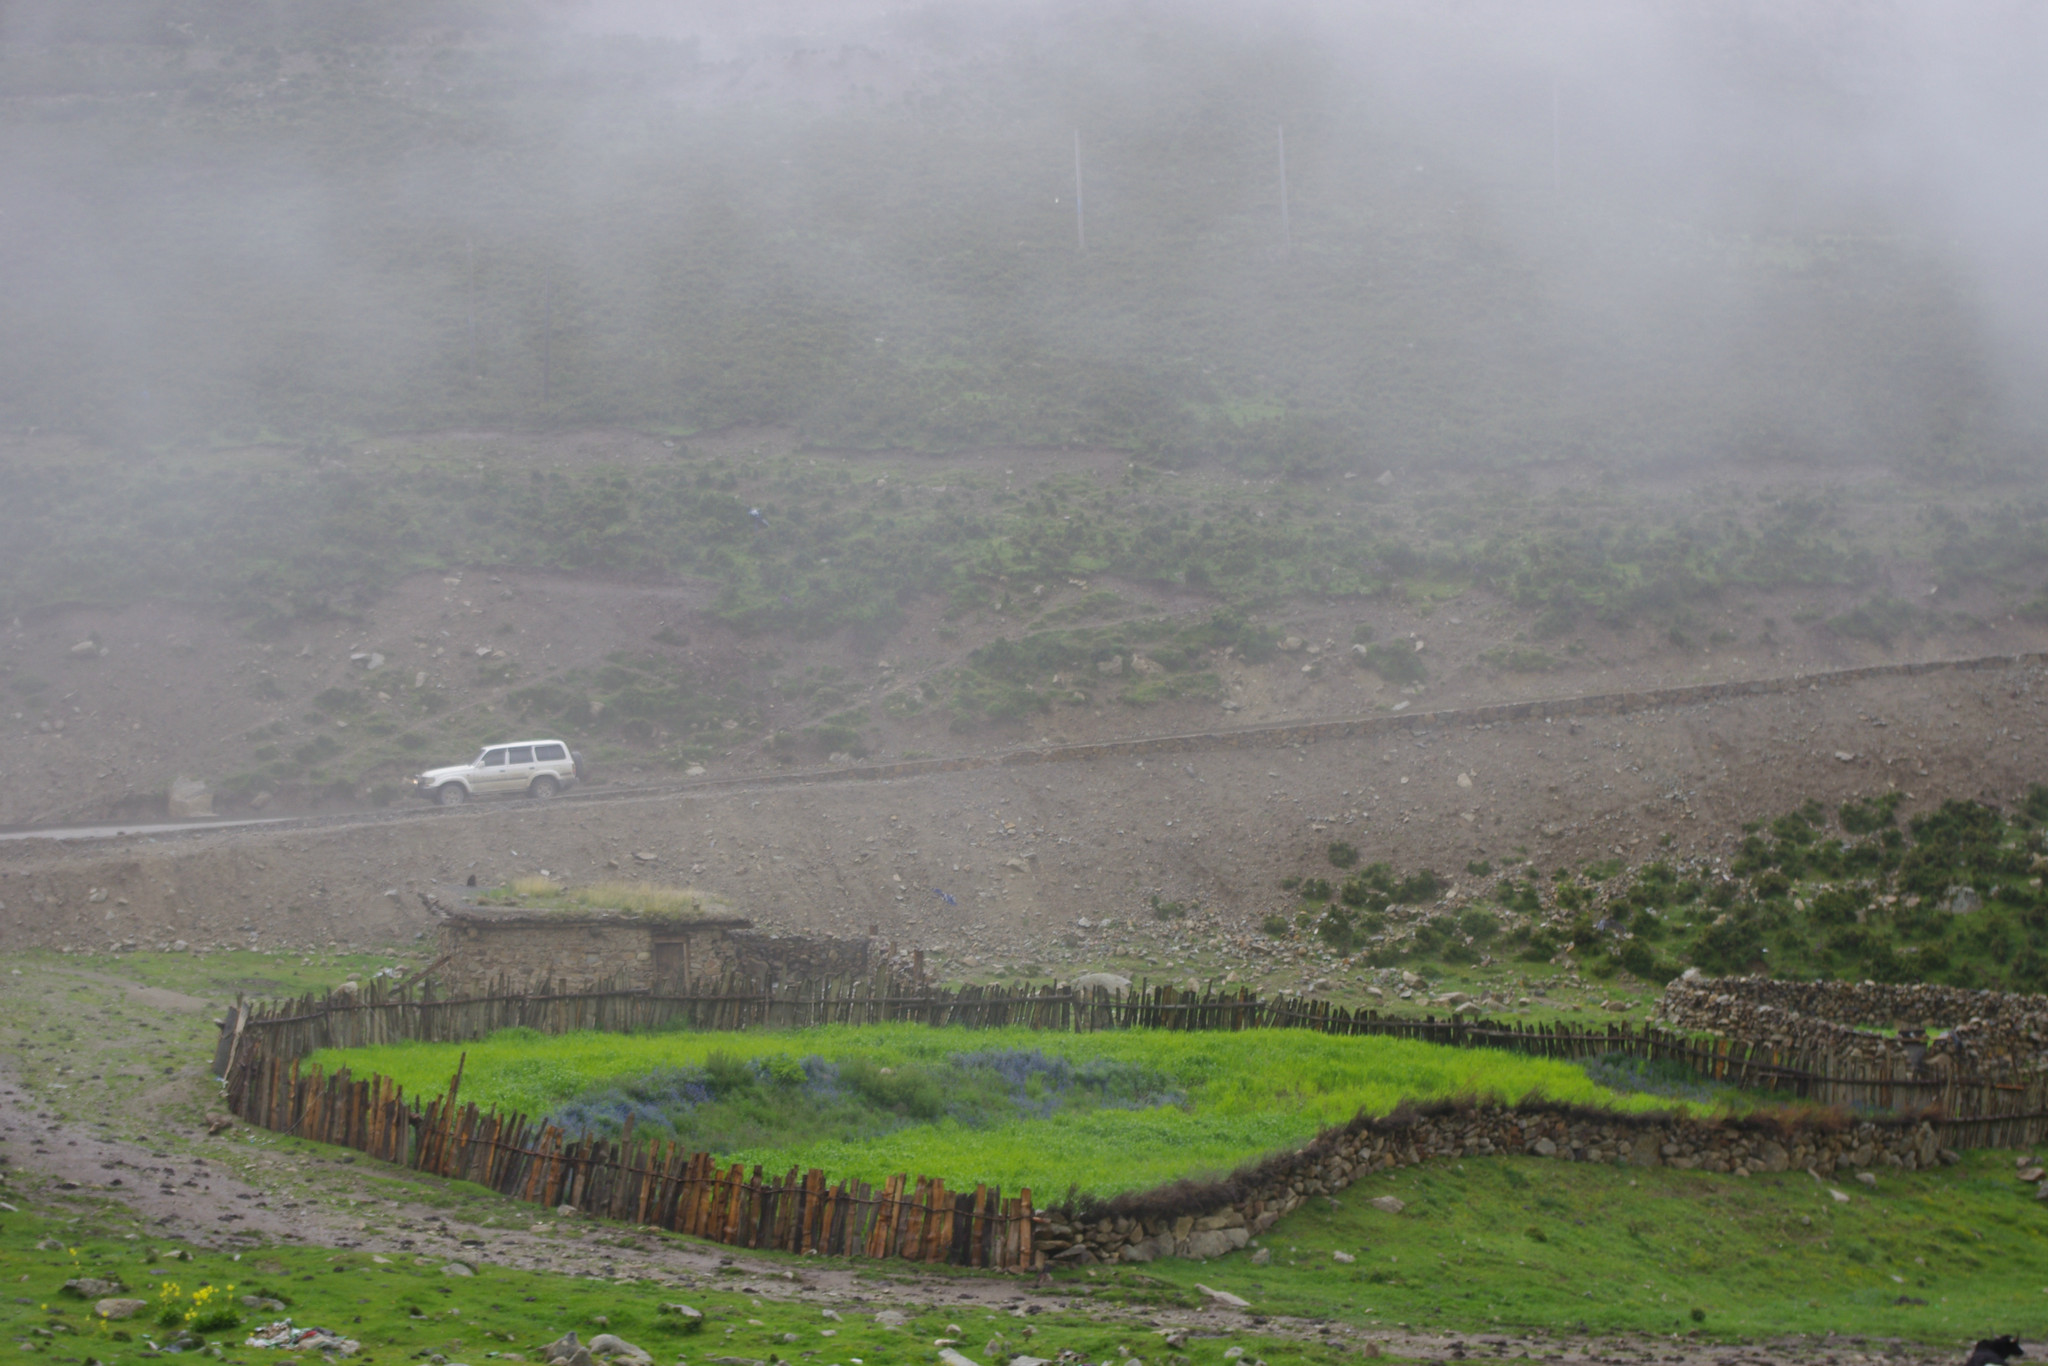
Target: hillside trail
x,y
213,1191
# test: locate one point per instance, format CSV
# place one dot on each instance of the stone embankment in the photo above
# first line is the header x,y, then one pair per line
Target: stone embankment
x,y
1202,1221
1977,1033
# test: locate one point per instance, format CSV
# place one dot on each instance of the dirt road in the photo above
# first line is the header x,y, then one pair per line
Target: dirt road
x,y
1027,849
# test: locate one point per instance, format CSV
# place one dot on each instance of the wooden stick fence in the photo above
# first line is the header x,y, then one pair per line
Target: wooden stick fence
x,y
658,1184
378,1015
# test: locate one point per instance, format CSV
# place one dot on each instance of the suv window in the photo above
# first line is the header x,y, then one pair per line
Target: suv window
x,y
493,758
522,755
548,753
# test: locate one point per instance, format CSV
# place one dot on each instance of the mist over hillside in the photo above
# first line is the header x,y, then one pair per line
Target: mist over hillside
x,y
1643,235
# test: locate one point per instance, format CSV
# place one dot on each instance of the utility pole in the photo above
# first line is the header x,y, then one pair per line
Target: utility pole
x,y
1556,145
469,246
1080,217
1286,225
547,337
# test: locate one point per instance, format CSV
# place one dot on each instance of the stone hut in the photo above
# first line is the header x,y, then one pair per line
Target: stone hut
x,y
582,949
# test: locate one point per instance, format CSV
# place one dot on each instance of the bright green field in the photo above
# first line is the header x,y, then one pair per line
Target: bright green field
x,y
1247,1094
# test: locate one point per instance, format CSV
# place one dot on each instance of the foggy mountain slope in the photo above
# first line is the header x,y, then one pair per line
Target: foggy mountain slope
x,y
1637,235
306,631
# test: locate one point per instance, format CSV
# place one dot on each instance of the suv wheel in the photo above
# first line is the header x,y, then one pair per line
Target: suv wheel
x,y
451,794
544,787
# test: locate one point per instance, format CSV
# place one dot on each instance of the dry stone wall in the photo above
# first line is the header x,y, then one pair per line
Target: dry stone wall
x,y
1202,1221
801,958
575,953
1976,1033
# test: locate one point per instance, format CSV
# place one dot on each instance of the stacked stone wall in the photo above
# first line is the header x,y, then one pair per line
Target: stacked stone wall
x,y
800,958
1976,1033
1207,1220
573,956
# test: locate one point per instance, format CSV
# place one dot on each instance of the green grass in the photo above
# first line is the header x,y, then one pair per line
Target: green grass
x,y
1529,1243
400,1306
89,1035
1247,1094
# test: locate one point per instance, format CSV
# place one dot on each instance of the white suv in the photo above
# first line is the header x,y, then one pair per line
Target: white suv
x,y
538,768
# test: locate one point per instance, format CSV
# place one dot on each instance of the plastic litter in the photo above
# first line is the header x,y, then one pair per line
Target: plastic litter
x,y
283,1335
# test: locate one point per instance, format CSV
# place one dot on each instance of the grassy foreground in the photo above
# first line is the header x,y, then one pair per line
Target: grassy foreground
x,y
1241,1095
399,1307
1948,1255
1499,1245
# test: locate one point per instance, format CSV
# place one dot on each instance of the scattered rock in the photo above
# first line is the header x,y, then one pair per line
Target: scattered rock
x,y
458,1269
1389,1204
694,771
1262,1256
85,649
953,1358
1868,1178
92,1287
1840,1197
691,1319
119,1308
1344,1258
891,1318
1960,900
1223,1297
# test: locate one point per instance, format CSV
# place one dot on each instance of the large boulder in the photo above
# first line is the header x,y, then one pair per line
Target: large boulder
x,y
566,1351
188,797
1108,981
610,1345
